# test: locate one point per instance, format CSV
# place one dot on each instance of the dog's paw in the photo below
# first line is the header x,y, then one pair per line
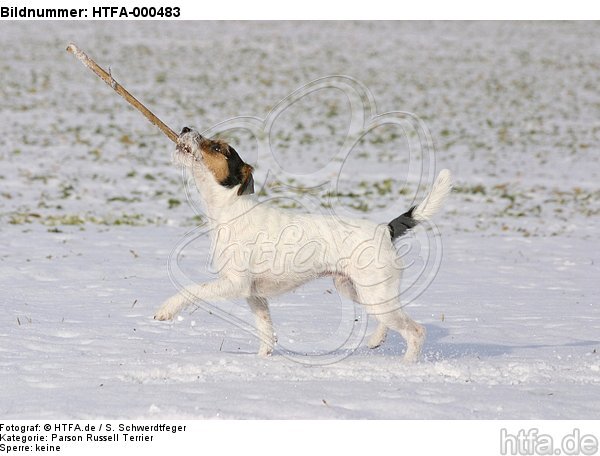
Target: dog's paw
x,y
374,343
163,314
265,352
410,358
266,348
378,337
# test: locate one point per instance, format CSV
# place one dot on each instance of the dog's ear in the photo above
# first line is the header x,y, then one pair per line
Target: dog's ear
x,y
247,185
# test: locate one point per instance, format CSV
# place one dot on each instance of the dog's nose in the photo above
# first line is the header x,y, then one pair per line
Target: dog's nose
x,y
185,130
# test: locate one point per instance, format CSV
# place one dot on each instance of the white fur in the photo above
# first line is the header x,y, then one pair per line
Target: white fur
x,y
261,251
433,203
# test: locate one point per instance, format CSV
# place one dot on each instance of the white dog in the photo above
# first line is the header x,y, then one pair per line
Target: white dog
x,y
261,251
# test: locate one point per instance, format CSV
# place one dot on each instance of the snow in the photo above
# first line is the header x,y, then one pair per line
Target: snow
x,y
92,212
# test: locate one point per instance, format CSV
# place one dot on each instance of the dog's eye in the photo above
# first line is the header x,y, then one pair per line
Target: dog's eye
x,y
216,147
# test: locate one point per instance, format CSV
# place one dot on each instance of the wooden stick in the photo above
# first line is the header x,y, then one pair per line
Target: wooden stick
x,y
107,77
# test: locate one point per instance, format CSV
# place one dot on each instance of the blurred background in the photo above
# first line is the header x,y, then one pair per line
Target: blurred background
x,y
513,110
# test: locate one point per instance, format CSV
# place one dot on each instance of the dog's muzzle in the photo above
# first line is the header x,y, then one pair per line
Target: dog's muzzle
x,y
187,138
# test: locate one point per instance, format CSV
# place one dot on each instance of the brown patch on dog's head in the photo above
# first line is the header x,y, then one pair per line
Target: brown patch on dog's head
x,y
226,166
213,155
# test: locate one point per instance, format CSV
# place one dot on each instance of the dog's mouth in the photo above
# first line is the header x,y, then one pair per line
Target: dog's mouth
x,y
183,148
185,153
188,143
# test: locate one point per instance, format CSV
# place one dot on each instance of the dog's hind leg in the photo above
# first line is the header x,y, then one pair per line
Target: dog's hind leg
x,y
412,332
381,301
346,288
264,324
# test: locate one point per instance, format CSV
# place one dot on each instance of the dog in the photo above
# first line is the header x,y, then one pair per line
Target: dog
x,y
261,251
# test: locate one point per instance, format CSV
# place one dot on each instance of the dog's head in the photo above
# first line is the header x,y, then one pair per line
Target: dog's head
x,y
216,157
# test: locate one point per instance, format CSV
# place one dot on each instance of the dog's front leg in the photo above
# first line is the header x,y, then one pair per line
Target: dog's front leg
x,y
264,324
222,288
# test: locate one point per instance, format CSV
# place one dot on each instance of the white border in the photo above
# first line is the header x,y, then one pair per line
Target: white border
x,y
302,438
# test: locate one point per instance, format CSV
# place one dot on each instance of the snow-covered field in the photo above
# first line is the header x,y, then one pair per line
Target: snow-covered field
x,y
91,209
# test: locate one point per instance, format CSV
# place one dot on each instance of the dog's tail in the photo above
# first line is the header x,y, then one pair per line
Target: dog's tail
x,y
427,209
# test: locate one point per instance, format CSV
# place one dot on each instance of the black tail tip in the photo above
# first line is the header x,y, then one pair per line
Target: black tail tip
x,y
400,225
